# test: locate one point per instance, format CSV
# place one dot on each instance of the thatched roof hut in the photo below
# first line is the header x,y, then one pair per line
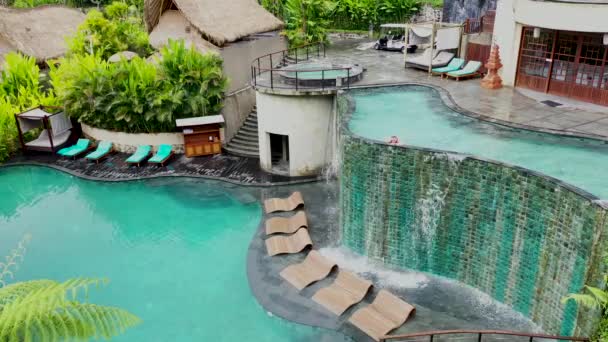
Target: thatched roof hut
x,y
217,21
38,32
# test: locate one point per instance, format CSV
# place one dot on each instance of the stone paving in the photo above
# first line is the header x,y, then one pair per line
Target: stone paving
x,y
229,168
512,106
440,303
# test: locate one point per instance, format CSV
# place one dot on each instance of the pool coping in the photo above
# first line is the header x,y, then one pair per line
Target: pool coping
x,y
449,101
81,175
445,95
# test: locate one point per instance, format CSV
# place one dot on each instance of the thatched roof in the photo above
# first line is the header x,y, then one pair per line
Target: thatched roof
x,y
218,21
39,32
173,25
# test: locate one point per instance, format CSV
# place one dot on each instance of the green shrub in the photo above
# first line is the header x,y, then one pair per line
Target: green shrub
x,y
137,96
340,14
118,28
307,21
19,90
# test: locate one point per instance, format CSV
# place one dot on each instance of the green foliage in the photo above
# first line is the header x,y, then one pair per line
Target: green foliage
x,y
118,28
343,14
48,311
19,90
594,298
307,20
12,260
137,96
276,7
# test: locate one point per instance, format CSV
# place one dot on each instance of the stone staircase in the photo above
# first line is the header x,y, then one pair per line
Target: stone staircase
x,y
245,142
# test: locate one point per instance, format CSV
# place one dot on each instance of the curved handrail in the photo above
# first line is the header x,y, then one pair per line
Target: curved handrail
x,y
265,64
480,333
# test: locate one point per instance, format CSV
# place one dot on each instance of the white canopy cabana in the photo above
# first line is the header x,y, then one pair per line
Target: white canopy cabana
x,y
441,36
57,129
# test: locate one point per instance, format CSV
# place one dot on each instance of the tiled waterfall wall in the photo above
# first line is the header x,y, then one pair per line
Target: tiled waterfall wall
x,y
523,238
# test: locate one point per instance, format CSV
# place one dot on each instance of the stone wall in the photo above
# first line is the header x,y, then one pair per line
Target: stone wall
x,y
523,238
128,142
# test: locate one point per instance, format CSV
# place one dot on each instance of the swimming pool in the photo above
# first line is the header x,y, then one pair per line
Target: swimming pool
x,y
174,250
418,117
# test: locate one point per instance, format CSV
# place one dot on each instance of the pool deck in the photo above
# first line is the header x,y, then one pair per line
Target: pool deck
x,y
515,107
224,167
441,304
521,107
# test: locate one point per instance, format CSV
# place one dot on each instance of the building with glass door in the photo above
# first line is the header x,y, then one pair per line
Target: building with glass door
x,y
557,47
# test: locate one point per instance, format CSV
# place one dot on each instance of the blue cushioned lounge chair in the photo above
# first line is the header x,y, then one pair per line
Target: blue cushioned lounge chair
x,y
142,153
455,64
74,151
469,70
103,149
162,155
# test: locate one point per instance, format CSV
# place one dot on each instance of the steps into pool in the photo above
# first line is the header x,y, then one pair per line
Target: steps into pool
x,y
245,142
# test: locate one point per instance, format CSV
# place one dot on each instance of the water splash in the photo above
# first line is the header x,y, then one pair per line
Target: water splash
x,y
363,265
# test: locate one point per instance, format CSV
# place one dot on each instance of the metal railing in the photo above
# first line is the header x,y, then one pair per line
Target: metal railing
x,y
478,335
270,71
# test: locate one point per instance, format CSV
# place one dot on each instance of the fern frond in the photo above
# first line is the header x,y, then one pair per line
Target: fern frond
x,y
595,299
48,311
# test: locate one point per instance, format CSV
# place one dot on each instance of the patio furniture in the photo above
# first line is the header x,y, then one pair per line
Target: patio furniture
x,y
422,61
140,155
286,225
290,203
162,155
103,149
290,244
346,291
385,314
469,71
314,268
75,150
455,64
56,129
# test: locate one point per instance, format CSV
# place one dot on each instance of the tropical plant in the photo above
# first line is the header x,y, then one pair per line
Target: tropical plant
x,y
119,27
49,311
138,96
19,90
276,7
195,82
307,20
399,10
593,298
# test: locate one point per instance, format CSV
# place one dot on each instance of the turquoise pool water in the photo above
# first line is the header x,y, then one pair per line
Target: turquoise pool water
x,y
419,117
174,250
317,75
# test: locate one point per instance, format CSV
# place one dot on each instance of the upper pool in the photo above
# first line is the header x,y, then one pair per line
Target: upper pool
x,y
418,117
174,250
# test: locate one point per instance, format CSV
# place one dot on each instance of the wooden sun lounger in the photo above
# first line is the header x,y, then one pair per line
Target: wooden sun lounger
x,y
286,225
346,291
314,268
385,314
284,204
288,244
